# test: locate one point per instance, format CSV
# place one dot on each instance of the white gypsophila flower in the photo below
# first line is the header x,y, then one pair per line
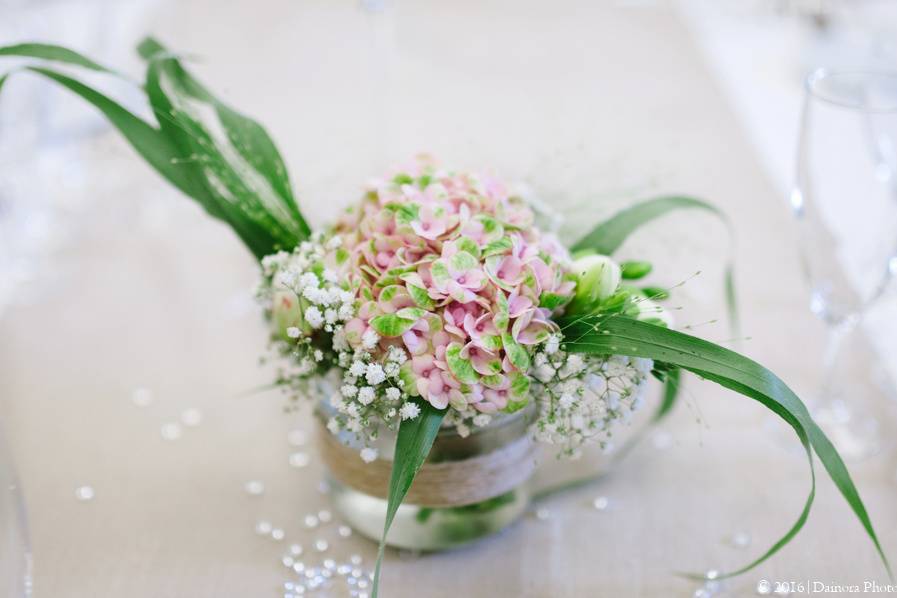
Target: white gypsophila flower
x,y
330,315
333,425
481,420
369,339
586,397
314,317
358,368
393,393
346,311
349,391
375,374
397,355
366,395
319,355
409,410
309,280
392,369
368,454
293,332
340,344
553,344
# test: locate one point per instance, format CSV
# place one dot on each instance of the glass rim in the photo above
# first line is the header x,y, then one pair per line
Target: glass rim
x,y
813,88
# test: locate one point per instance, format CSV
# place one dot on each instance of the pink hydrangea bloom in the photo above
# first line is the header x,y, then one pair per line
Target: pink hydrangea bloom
x,y
450,267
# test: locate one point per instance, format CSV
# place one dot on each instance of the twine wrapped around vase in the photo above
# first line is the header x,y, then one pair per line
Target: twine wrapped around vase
x,y
443,484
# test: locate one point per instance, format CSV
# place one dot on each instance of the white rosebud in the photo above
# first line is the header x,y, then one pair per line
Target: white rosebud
x,y
368,454
598,277
286,313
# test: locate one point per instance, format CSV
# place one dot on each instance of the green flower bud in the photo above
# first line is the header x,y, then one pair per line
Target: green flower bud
x,y
651,312
597,277
635,270
286,313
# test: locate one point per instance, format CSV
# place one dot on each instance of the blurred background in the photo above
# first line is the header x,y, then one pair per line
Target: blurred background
x,y
127,318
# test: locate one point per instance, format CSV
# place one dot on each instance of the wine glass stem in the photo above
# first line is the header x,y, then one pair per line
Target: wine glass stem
x,y
831,360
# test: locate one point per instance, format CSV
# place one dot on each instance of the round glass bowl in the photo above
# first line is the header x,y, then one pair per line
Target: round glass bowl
x,y
469,487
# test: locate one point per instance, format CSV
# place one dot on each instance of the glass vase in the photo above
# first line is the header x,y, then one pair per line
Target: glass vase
x,y
469,487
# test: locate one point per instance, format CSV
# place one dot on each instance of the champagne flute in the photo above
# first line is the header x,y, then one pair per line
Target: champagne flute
x,y
845,201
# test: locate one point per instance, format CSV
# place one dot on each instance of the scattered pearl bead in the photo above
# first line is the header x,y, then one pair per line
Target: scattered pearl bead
x,y
344,531
277,534
740,539
299,459
85,493
191,417
142,397
321,545
263,528
543,514
254,488
311,521
299,567
297,437
171,431
356,559
295,549
324,516
288,561
601,503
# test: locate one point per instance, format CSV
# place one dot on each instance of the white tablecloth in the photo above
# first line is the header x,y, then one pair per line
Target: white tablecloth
x,y
590,104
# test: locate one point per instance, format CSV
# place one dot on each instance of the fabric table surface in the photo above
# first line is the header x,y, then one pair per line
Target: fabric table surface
x,y
591,105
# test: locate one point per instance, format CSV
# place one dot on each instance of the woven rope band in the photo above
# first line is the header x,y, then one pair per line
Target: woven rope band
x,y
445,484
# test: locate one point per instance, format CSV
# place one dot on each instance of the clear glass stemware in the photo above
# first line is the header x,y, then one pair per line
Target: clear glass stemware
x,y
845,201
15,551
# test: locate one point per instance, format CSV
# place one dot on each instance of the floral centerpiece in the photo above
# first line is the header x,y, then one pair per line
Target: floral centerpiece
x,y
435,303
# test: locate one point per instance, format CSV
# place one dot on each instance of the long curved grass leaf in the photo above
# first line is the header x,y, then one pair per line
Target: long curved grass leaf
x,y
148,141
671,387
413,444
607,237
610,335
53,53
242,168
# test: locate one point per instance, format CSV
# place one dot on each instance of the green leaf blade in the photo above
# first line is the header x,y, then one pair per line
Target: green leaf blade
x,y
53,53
413,444
608,236
624,336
